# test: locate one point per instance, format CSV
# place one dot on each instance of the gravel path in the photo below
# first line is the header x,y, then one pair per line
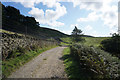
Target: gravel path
x,y
46,65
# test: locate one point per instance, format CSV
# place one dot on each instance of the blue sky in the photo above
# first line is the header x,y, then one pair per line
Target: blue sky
x,y
93,18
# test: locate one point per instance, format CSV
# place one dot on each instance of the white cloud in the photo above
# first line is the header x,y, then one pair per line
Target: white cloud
x,y
88,28
55,23
50,16
49,3
28,4
104,10
101,9
110,16
113,30
25,3
91,17
96,34
95,6
47,17
37,13
67,32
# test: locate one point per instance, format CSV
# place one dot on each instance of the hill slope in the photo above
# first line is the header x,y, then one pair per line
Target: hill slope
x,y
13,21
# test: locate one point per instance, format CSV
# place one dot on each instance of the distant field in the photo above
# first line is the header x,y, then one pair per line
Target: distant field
x,y
66,39
94,41
90,41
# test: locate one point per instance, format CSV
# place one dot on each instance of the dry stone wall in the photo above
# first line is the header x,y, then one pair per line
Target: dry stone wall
x,y
11,42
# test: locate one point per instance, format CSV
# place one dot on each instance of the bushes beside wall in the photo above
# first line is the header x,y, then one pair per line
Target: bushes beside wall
x,y
20,43
112,45
97,63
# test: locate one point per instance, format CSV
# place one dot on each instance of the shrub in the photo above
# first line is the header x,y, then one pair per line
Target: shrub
x,y
78,39
96,62
16,52
21,50
112,45
34,47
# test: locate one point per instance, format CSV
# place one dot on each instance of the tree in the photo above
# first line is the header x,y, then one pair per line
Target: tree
x,y
76,35
13,13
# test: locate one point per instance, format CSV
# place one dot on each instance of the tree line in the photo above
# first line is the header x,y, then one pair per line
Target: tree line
x,y
14,21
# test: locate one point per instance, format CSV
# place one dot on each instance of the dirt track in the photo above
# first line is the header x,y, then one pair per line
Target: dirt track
x,y
46,65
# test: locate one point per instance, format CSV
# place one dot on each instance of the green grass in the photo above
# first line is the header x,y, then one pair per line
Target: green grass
x,y
9,32
62,43
71,66
12,64
90,41
94,41
67,39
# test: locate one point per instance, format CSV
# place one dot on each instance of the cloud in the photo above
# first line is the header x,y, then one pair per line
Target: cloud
x,y
50,16
28,4
37,13
47,17
67,32
96,34
103,10
25,3
110,16
91,17
55,23
86,3
88,28
49,3
95,6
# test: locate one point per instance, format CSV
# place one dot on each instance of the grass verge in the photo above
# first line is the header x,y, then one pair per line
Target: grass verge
x,y
12,64
71,65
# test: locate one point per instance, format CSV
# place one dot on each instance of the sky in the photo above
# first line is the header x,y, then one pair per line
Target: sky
x,y
97,18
